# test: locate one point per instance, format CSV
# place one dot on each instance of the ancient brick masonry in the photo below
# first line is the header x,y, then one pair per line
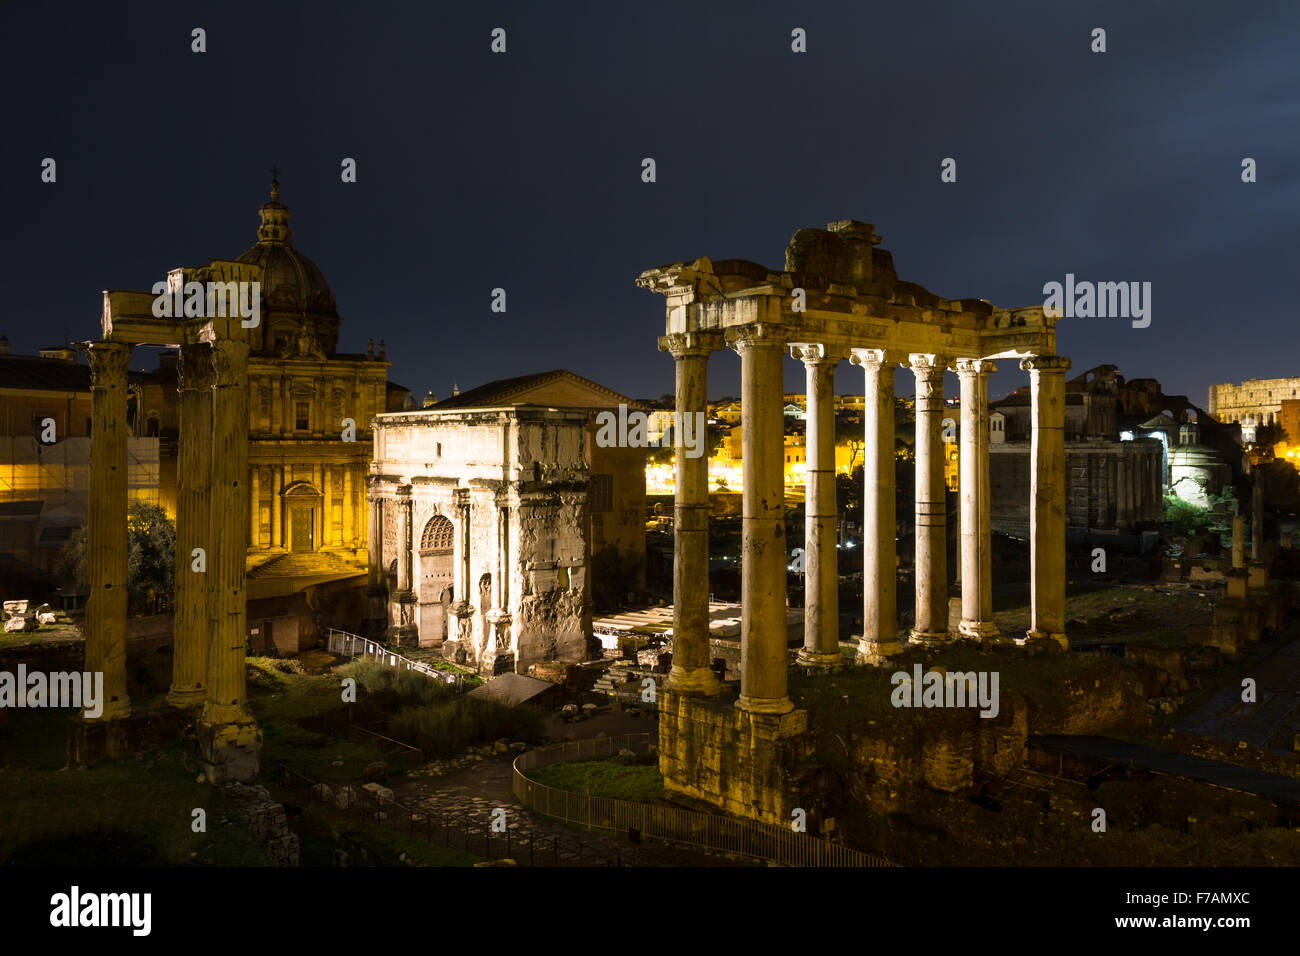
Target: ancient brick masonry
x,y
837,297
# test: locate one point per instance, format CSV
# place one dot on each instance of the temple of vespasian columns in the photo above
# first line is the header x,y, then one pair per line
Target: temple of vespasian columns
x,y
837,297
212,514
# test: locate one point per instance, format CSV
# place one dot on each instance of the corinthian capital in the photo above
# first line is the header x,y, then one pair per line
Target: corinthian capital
x,y
230,362
108,363
194,370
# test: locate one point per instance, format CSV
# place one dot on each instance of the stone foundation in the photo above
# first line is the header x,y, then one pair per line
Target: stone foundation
x,y
230,752
713,753
90,741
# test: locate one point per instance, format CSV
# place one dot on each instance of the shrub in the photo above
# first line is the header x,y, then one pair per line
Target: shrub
x,y
447,728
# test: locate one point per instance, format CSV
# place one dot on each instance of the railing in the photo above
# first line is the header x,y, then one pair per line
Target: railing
x,y
706,831
353,645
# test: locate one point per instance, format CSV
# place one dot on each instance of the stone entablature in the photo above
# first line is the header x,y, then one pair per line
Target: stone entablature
x,y
839,297
482,519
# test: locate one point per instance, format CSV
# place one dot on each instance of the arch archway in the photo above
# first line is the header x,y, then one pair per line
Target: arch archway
x,y
437,567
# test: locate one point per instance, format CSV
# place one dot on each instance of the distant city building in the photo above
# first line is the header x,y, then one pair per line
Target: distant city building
x,y
45,457
1126,447
1253,403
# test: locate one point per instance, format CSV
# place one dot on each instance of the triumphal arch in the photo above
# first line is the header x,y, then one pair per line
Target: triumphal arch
x,y
837,297
212,526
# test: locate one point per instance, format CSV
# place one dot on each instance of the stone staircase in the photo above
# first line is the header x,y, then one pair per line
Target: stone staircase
x,y
303,564
609,682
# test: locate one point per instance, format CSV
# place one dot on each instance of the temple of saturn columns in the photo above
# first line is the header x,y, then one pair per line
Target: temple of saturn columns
x,y
837,297
212,516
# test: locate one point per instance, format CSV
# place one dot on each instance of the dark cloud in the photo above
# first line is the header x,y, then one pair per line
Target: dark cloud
x,y
522,171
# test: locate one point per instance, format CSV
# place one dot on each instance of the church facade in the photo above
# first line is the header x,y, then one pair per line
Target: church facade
x,y
310,408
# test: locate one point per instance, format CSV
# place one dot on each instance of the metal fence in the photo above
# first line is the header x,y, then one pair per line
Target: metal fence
x,y
353,645
712,832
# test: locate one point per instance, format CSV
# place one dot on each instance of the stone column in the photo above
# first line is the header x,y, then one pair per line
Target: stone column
x,y
193,472
763,658
105,620
1047,497
976,546
374,551
1238,541
349,506
255,511
404,541
1257,521
691,674
229,740
1124,497
821,645
879,512
277,519
931,564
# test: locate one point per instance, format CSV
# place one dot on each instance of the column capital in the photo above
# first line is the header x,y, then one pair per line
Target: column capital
x,y
108,362
194,370
1045,363
813,353
872,357
230,362
690,344
926,363
760,335
974,366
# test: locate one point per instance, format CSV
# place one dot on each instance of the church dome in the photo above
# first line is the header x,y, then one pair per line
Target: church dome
x,y
289,279
300,317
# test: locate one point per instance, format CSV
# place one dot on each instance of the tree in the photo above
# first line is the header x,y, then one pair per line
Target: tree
x,y
150,557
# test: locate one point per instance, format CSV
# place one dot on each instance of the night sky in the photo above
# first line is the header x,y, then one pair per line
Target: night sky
x,y
523,170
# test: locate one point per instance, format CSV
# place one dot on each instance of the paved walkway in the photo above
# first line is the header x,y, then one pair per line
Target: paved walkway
x,y
476,791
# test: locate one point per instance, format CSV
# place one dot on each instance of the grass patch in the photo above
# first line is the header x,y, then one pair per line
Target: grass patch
x,y
625,778
136,810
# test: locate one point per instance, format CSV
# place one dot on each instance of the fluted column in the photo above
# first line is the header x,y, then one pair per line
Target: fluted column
x,y
374,553
763,658
255,510
879,511
404,542
229,739
105,620
691,674
821,643
976,545
194,466
1124,490
277,519
349,506
931,563
1047,497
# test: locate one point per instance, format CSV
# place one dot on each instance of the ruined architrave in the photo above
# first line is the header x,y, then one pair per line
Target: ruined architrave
x,y
210,627
851,304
